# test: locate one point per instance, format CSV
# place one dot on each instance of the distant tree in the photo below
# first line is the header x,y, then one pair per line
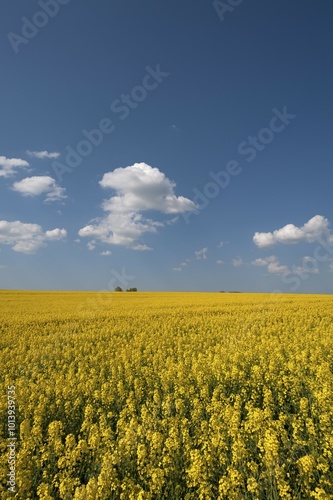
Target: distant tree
x,y
118,289
131,290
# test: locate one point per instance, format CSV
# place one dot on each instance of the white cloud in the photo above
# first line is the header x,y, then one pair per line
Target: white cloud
x,y
238,262
182,265
301,270
138,188
315,228
91,245
120,229
56,234
43,155
8,166
330,267
277,268
35,186
309,266
219,261
106,253
265,261
27,238
201,254
263,240
288,234
141,187
140,247
172,221
273,265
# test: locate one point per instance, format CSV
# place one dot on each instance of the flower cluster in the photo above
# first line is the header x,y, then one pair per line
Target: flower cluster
x,y
169,396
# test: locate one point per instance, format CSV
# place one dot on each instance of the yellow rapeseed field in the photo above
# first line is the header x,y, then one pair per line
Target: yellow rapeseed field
x,y
148,396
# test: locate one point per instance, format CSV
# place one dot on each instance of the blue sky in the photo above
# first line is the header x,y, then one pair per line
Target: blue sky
x,y
202,140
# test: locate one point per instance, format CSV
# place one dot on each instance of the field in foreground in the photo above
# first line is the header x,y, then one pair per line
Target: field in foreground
x,y
168,395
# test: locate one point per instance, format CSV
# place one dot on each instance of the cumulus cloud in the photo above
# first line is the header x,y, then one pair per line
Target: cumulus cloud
x,y
91,245
138,188
141,187
43,155
172,221
315,228
37,185
9,166
56,234
120,229
27,238
219,261
201,254
309,266
238,262
265,261
177,269
106,253
272,264
140,247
